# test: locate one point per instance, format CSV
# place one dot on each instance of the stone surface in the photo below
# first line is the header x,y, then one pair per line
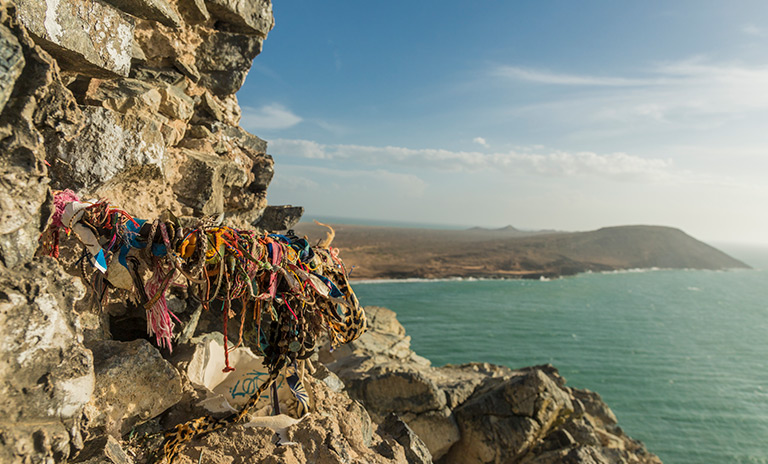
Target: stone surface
x,y
86,36
133,383
175,103
224,59
416,451
505,420
275,218
194,11
104,449
246,141
154,10
110,144
39,107
246,16
206,180
11,64
338,431
46,374
123,95
328,378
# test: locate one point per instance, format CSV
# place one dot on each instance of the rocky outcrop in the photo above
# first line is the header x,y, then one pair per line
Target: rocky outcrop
x,y
133,100
130,100
479,413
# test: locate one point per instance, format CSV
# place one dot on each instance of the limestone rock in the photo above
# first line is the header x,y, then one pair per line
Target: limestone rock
x,y
194,11
175,103
133,383
246,149
385,339
262,172
328,378
415,450
381,371
224,58
154,10
413,396
103,450
11,64
246,141
206,181
246,16
503,422
337,431
275,218
405,391
39,108
124,95
209,104
86,36
108,145
165,48
46,374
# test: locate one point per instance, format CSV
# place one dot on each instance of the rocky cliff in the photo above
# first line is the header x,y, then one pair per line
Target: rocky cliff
x,y
479,412
134,100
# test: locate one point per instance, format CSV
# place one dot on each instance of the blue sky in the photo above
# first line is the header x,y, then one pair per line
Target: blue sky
x,y
547,114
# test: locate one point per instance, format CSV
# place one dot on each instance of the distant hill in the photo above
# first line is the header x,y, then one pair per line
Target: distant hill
x,y
389,252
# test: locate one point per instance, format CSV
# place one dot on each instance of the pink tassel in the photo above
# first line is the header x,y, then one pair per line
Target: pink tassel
x,y
277,256
159,316
60,201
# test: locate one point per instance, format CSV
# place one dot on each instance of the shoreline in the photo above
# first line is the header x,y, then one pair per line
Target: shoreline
x,y
541,278
374,252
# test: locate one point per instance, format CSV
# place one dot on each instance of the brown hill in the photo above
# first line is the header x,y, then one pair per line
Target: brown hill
x,y
390,252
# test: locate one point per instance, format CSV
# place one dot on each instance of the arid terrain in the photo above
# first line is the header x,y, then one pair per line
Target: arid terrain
x,y
393,253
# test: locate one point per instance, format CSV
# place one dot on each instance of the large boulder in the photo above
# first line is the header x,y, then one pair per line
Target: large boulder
x,y
503,421
133,384
86,36
380,370
276,218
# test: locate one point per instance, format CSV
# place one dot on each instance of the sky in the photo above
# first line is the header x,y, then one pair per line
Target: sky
x,y
538,114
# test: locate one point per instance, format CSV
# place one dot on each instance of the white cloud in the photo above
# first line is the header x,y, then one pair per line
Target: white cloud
x,y
620,166
480,141
693,94
318,183
268,117
751,29
546,77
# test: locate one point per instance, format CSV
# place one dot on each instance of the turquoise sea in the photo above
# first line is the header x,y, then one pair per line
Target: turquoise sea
x,y
681,356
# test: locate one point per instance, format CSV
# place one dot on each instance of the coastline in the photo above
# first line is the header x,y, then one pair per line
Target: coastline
x,y
376,252
533,276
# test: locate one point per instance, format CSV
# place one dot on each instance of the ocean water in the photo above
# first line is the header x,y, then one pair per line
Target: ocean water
x,y
681,356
